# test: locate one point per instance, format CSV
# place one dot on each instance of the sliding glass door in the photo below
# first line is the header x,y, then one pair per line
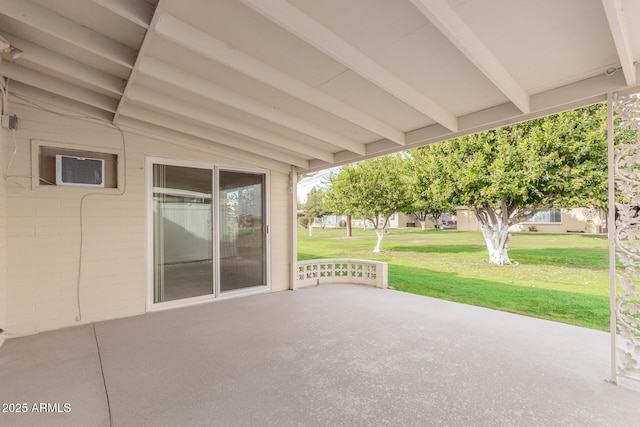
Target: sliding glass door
x,y
242,230
182,247
208,230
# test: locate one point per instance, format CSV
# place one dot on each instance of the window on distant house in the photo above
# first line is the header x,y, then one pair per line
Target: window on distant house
x,y
550,216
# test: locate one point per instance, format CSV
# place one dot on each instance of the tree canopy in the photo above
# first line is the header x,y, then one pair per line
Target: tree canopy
x,y
506,175
315,206
503,175
429,194
373,189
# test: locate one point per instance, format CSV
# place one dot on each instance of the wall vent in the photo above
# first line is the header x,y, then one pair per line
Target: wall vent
x,y
79,171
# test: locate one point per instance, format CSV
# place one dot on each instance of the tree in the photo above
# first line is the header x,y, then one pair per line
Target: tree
x,y
373,189
337,205
506,175
315,207
430,196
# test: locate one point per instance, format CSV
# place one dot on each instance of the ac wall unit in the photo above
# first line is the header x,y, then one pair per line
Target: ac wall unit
x,y
79,171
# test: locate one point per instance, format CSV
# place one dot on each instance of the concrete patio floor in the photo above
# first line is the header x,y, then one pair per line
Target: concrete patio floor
x,y
330,355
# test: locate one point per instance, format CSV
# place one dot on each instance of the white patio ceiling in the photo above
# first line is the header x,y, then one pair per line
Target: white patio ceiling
x,y
318,83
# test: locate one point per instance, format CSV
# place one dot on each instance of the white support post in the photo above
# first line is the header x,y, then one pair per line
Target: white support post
x,y
611,225
293,196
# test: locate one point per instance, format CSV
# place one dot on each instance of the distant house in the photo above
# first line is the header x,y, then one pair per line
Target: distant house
x,y
397,220
576,220
401,220
331,221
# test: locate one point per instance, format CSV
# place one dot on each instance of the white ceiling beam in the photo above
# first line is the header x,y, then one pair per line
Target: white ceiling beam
x,y
57,86
166,104
456,30
142,53
194,144
615,16
309,30
137,11
204,44
199,86
49,22
60,65
61,104
209,134
564,98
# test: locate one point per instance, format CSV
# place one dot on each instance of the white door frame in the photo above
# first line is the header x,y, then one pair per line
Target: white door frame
x,y
216,294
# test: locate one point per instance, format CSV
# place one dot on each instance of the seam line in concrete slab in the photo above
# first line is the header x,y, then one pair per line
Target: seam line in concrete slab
x,y
104,381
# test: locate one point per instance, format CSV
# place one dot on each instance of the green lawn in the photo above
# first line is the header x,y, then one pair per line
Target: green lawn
x,y
562,277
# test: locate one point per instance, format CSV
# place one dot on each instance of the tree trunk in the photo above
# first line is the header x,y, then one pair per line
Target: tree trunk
x,y
380,234
496,237
310,228
349,232
423,224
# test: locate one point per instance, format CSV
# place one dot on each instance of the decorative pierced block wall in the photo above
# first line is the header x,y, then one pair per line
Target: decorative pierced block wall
x,y
321,271
627,237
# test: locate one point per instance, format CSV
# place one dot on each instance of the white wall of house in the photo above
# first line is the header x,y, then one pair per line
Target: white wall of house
x,y
573,220
43,227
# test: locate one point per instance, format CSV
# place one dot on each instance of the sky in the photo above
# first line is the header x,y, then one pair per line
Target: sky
x,y
318,180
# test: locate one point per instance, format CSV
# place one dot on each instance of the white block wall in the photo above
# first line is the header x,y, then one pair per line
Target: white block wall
x,y
43,229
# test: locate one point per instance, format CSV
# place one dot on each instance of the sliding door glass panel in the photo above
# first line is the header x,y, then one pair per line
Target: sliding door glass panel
x,y
242,230
182,235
